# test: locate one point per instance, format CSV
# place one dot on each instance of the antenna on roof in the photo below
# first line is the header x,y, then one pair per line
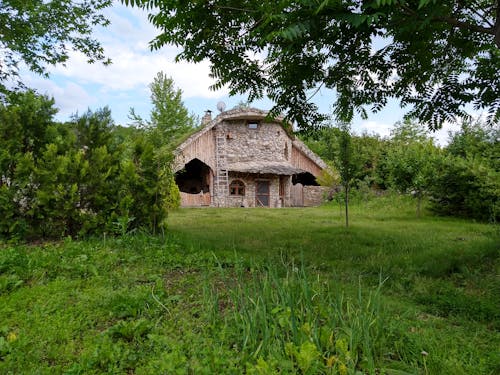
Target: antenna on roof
x,y
221,106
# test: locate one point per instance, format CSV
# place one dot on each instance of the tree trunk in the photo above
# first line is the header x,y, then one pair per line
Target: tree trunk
x,y
347,206
496,27
419,203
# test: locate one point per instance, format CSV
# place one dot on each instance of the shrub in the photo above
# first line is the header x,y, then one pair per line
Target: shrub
x,y
467,188
75,179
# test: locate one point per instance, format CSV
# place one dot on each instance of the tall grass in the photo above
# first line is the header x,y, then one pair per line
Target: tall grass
x,y
440,294
287,319
259,291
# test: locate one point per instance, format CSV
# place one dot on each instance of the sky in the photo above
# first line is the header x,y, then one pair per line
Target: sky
x,y
79,86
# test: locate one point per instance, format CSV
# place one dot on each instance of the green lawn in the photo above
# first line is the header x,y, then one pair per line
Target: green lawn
x,y
260,291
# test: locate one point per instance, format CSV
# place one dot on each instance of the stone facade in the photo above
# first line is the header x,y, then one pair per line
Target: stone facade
x,y
267,142
250,181
314,195
248,160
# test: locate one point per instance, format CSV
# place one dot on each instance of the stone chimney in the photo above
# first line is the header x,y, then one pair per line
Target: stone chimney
x,y
207,117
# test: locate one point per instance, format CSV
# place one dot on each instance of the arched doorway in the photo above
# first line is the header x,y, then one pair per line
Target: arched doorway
x,y
305,178
194,182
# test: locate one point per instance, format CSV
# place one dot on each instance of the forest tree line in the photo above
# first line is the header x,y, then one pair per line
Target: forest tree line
x,y
90,177
87,176
460,179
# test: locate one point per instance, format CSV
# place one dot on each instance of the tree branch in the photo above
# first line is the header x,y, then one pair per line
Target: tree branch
x,y
463,6
495,30
465,25
224,7
316,91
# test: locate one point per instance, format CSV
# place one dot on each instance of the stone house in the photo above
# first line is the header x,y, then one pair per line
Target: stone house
x,y
243,159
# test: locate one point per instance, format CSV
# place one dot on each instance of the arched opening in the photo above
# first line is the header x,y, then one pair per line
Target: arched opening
x,y
237,187
194,178
305,178
302,185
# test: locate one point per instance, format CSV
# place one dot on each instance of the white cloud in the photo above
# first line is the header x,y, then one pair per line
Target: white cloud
x,y
69,97
376,127
134,65
128,25
132,70
441,136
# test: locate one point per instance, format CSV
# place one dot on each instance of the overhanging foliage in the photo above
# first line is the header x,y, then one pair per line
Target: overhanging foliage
x,y
436,57
40,33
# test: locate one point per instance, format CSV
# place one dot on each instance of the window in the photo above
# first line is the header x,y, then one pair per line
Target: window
x,y
253,125
237,187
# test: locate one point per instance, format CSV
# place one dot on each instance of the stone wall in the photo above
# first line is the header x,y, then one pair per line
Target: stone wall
x,y
250,181
269,142
314,195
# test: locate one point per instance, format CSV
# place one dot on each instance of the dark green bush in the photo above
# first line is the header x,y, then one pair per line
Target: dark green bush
x,y
466,188
75,179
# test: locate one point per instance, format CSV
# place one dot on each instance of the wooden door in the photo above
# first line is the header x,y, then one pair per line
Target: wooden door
x,y
297,195
262,194
283,181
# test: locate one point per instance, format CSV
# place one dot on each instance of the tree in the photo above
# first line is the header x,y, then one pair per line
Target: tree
x,y
42,32
407,132
475,140
411,169
24,123
170,119
467,182
98,177
346,164
435,56
466,187
410,160
26,127
169,123
369,149
79,178
368,152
